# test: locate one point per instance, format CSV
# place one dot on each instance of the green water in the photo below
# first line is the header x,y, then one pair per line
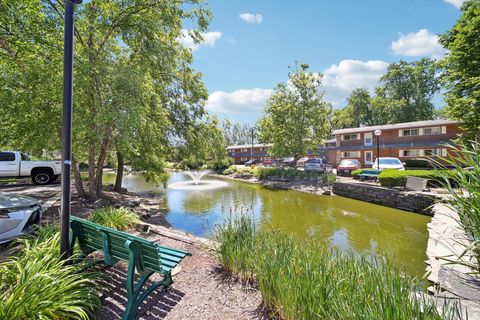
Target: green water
x,y
331,220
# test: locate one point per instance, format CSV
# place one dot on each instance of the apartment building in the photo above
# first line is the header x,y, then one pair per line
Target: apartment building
x,y
402,140
242,153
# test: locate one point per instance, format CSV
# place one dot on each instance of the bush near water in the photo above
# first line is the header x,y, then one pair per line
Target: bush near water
x,y
398,178
304,280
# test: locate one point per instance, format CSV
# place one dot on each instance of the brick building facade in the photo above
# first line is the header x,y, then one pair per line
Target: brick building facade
x,y
402,140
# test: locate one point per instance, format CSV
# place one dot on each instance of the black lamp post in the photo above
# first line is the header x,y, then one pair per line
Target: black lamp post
x,y
65,249
378,133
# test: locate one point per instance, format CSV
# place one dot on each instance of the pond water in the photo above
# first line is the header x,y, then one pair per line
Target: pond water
x,y
332,220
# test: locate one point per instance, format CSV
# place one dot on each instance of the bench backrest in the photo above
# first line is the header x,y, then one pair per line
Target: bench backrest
x,y
118,245
416,184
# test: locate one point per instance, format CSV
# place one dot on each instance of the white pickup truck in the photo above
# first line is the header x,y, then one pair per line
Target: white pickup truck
x,y
14,164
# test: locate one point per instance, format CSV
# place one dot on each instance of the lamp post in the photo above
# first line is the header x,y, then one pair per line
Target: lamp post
x,y
378,133
65,249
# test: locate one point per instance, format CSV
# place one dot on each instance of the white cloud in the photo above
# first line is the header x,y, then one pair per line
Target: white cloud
x,y
340,79
244,100
209,39
415,44
456,3
251,18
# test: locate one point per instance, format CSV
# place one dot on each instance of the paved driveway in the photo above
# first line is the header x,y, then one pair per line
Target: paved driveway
x,y
25,188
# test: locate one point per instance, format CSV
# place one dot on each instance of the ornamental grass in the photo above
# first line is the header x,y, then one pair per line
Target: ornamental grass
x,y
115,218
303,280
36,284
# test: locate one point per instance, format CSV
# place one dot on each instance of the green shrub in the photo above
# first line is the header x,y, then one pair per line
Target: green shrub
x,y
120,219
304,280
222,165
36,284
418,163
355,173
398,178
237,169
287,173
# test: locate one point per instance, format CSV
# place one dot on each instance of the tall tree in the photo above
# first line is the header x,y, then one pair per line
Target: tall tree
x,y
135,91
360,110
236,133
296,115
407,90
462,66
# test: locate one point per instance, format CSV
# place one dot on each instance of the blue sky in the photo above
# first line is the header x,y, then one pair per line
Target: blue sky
x,y
250,45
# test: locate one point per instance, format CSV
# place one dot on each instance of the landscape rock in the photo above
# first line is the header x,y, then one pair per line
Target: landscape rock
x,y
409,201
100,203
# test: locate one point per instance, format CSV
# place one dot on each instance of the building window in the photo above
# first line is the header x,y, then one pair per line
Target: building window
x,y
348,137
243,158
244,150
432,130
410,132
351,154
232,152
429,152
410,153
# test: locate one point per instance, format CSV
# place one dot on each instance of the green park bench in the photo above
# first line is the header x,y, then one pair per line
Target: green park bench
x,y
144,256
369,174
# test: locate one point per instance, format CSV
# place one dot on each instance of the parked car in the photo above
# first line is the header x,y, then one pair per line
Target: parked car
x,y
346,167
270,162
288,162
14,164
18,215
301,161
251,162
315,164
388,163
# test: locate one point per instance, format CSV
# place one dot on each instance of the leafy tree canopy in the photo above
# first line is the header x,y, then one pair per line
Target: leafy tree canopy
x,y
404,95
461,65
134,89
296,115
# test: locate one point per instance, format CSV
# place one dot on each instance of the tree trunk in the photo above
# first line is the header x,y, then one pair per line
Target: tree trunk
x,y
100,163
78,178
92,185
119,177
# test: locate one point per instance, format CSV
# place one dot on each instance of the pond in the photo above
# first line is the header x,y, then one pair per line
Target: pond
x,y
332,220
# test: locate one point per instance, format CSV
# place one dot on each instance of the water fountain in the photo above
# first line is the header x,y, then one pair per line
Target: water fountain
x,y
196,176
196,183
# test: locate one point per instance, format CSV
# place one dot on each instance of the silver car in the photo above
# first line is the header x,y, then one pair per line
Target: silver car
x,y
19,215
316,164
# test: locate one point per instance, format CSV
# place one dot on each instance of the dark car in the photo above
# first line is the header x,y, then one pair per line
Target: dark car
x,y
251,162
346,167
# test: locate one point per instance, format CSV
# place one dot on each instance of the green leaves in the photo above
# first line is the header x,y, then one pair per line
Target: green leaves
x,y
134,89
296,115
462,67
405,95
36,284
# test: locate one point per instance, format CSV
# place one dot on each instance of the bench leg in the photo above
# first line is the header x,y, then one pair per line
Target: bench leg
x,y
135,294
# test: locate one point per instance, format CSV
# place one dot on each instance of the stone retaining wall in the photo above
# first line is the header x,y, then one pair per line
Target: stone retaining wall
x,y
409,201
